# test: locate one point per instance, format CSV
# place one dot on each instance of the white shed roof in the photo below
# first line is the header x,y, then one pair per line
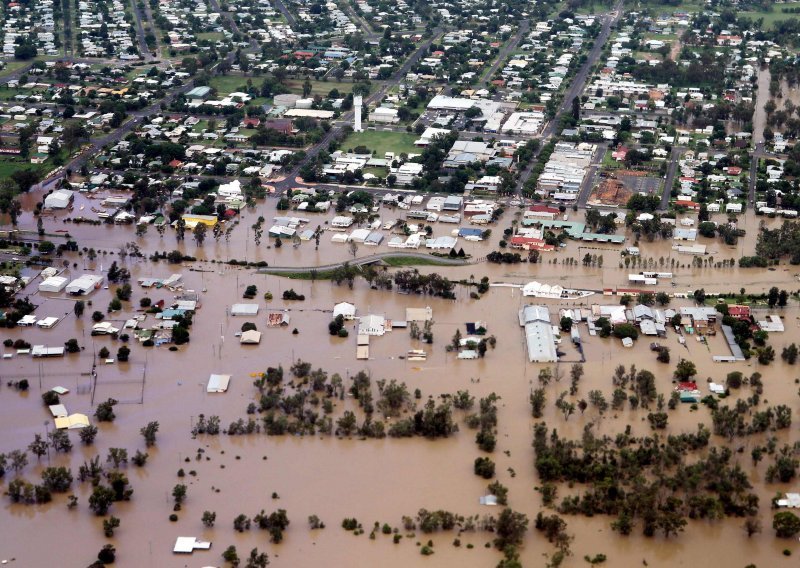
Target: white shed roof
x,y
218,383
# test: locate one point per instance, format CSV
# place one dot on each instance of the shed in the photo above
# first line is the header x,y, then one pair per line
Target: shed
x,y
188,544
218,383
84,284
53,284
47,322
59,199
58,410
72,422
44,351
244,309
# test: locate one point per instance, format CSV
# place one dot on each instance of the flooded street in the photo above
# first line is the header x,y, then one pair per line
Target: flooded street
x,y
371,480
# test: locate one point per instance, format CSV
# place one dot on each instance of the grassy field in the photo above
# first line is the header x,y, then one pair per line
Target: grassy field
x,y
398,261
321,88
392,261
775,15
10,165
228,84
382,142
685,6
210,36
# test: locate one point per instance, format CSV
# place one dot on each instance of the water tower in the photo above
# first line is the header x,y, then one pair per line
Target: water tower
x,y
357,103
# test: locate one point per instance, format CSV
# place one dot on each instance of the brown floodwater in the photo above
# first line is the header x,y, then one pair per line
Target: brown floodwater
x,y
371,480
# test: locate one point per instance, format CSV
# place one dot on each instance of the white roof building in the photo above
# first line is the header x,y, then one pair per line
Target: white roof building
x,y
218,383
344,309
59,199
538,334
244,309
53,284
84,285
372,325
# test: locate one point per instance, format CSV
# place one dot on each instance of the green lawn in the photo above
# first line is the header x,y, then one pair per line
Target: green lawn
x,y
319,87
210,36
774,15
10,165
685,6
228,84
382,142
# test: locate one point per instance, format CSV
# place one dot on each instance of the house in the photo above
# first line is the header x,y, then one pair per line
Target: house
x,y
193,220
739,312
541,212
344,309
187,544
372,325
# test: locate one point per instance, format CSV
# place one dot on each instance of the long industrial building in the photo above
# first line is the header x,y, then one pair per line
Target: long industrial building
x,y
539,336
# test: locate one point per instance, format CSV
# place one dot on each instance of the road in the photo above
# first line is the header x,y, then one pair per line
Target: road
x,y
505,51
669,180
588,180
575,89
285,13
361,261
143,49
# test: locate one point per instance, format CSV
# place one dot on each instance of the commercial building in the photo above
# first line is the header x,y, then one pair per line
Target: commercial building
x,y
84,285
59,199
539,336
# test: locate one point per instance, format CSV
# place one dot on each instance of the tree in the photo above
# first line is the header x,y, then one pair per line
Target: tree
x,y
685,370
772,297
179,493
87,434
71,346
790,353
60,442
537,399
230,555
78,308
510,529
199,233
662,298
38,447
623,330
107,554
484,467
57,479
101,499
149,433
97,316
786,524
209,517
565,324
123,353
105,411
109,525
752,525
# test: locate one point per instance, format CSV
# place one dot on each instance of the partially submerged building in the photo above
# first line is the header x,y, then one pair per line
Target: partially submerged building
x,y
539,336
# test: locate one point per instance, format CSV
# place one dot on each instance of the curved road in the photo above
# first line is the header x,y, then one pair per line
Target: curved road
x,y
363,261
